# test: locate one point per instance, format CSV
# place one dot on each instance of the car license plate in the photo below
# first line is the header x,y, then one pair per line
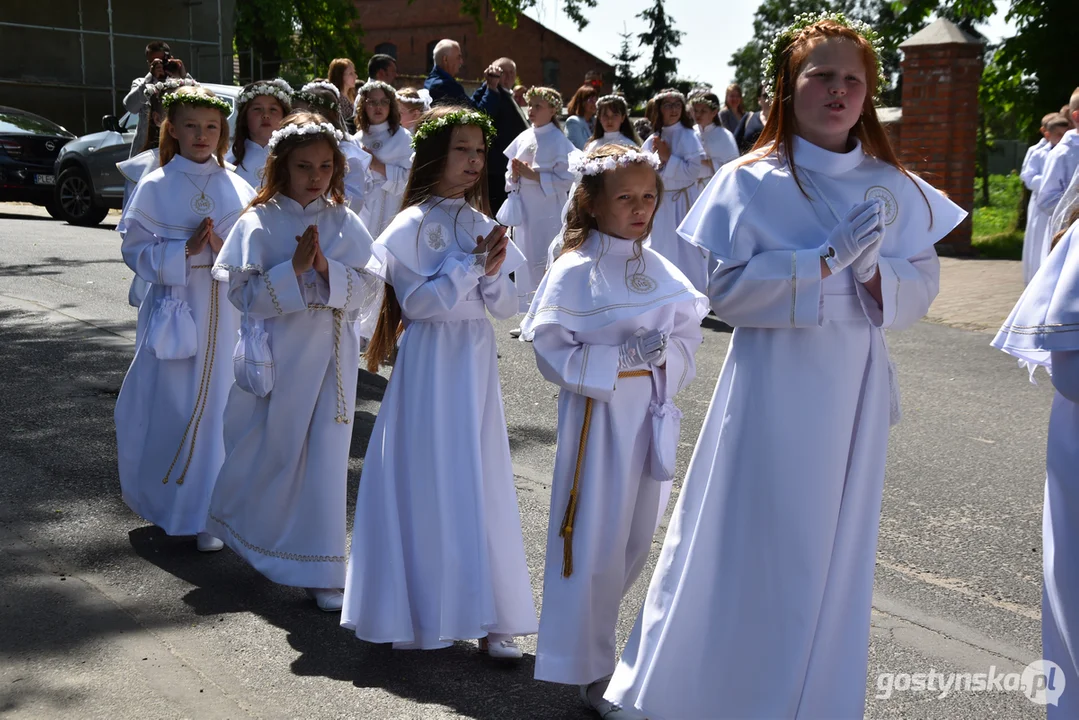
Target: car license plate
x,y
44,179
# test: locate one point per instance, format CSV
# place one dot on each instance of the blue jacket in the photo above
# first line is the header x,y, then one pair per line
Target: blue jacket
x,y
444,89
508,120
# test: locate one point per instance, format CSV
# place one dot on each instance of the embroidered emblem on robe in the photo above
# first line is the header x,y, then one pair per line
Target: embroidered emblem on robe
x,y
891,206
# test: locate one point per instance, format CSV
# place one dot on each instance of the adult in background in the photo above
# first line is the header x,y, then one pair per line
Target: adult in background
x,y
441,81
161,66
496,98
582,113
734,108
382,68
753,123
342,74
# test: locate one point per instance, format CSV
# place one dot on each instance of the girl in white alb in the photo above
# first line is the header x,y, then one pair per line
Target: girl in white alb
x,y
616,326
390,147
767,567
682,156
538,180
260,108
169,413
1041,331
717,141
437,553
613,124
294,263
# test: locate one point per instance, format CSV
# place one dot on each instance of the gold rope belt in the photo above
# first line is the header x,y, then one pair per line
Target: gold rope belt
x,y
342,417
566,531
204,385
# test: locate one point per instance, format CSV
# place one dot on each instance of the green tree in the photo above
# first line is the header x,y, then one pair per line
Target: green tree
x,y
663,39
625,79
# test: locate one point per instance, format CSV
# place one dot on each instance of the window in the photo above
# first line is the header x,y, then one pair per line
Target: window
x,y
550,73
386,49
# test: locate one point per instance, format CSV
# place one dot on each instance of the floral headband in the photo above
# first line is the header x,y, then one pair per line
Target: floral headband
x,y
324,85
701,98
773,56
424,99
310,98
583,164
670,95
429,128
276,88
207,101
307,129
167,86
368,87
550,96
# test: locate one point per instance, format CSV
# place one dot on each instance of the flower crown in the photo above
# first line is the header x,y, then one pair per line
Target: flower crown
x,y
432,127
583,164
178,98
307,129
276,88
659,98
424,99
310,98
549,95
167,86
612,99
699,97
315,84
371,85
773,55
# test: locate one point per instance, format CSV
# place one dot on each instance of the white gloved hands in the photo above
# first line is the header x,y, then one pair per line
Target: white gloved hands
x,y
865,266
852,235
644,348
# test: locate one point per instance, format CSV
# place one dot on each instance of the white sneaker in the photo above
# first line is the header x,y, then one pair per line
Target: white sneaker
x,y
609,710
327,599
502,647
206,542
515,332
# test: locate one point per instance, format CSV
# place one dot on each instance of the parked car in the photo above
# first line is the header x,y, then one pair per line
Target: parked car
x,y
88,184
29,145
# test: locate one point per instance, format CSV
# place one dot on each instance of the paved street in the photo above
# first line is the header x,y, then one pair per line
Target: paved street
x,y
105,617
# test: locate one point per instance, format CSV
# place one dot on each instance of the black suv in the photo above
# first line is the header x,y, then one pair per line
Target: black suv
x,y
29,145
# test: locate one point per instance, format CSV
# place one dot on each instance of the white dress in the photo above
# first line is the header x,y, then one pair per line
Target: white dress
x,y
768,561
1034,246
253,168
1043,323
680,190
437,553
385,191
592,300
1061,164
279,501
169,412
719,148
610,138
133,169
546,150
356,178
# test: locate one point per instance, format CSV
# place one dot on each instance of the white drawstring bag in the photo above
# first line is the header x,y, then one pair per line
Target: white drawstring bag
x,y
511,213
171,332
666,428
252,361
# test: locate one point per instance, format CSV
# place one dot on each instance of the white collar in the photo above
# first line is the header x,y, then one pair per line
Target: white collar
x,y
382,127
604,244
704,130
813,157
545,128
182,164
294,208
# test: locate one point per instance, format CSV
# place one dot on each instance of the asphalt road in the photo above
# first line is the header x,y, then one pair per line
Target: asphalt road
x,y
104,616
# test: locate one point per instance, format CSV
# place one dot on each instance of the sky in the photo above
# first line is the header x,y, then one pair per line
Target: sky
x,y
714,29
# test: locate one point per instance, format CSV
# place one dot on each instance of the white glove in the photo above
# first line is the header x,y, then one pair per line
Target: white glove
x,y
865,266
643,348
851,236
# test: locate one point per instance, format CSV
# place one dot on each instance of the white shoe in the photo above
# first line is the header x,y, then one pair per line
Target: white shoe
x,y
515,332
206,542
609,710
327,599
502,647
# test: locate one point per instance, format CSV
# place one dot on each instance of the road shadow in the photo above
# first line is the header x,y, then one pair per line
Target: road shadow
x,y
711,322
45,267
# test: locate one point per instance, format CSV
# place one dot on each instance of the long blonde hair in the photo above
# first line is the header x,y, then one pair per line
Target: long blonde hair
x,y
169,147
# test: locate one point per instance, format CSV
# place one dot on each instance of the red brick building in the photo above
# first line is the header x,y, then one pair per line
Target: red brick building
x,y
409,31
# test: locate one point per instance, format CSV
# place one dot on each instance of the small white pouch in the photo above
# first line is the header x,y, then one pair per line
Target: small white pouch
x,y
666,429
252,361
511,213
171,332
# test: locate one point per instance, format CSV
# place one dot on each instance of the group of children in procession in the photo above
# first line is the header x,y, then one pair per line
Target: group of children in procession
x,y
319,247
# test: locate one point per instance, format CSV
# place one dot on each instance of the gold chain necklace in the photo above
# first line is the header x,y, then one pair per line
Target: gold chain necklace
x,y
203,204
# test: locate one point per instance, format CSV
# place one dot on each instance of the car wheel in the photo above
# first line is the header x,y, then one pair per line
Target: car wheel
x,y
53,208
75,199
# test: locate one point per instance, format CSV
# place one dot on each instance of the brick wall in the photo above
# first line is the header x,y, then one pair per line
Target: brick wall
x,y
414,28
940,123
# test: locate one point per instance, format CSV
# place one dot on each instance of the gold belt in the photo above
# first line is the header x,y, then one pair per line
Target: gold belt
x,y
566,530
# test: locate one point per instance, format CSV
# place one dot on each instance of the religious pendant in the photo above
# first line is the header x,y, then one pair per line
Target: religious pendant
x,y
640,283
889,204
377,145
202,204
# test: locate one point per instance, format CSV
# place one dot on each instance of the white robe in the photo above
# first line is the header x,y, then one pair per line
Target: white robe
x,y
253,168
356,180
719,147
610,138
679,175
1042,324
385,191
437,553
768,561
592,300
1034,246
169,412
279,501
1061,163
133,169
546,150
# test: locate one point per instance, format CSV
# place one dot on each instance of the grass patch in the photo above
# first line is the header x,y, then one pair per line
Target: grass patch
x,y
997,234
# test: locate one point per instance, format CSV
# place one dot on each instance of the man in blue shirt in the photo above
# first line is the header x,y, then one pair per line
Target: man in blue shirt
x,y
495,98
441,82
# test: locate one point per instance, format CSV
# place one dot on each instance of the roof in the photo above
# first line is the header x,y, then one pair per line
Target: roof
x,y
940,32
564,39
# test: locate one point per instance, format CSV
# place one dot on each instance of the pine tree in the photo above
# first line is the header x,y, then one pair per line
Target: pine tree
x,y
663,39
625,80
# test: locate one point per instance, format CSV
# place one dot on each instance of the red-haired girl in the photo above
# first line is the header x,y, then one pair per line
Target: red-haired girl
x,y
760,603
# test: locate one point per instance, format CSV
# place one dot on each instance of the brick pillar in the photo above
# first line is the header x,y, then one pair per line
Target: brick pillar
x,y
942,67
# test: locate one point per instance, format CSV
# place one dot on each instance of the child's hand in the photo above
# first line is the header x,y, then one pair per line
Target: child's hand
x,y
304,257
215,240
663,149
496,243
319,263
376,165
523,169
199,238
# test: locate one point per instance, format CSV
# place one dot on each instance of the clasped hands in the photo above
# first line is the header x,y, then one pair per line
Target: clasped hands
x,y
645,347
494,245
521,169
855,241
204,235
308,254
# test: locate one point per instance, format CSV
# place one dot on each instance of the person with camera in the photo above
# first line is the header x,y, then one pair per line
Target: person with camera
x,y
162,66
495,97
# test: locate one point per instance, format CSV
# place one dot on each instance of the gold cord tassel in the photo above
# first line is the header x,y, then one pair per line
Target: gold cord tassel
x,y
566,531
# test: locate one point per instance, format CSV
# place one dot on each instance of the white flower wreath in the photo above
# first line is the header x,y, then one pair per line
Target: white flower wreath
x,y
549,95
167,86
309,129
658,99
583,164
276,88
322,84
371,85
